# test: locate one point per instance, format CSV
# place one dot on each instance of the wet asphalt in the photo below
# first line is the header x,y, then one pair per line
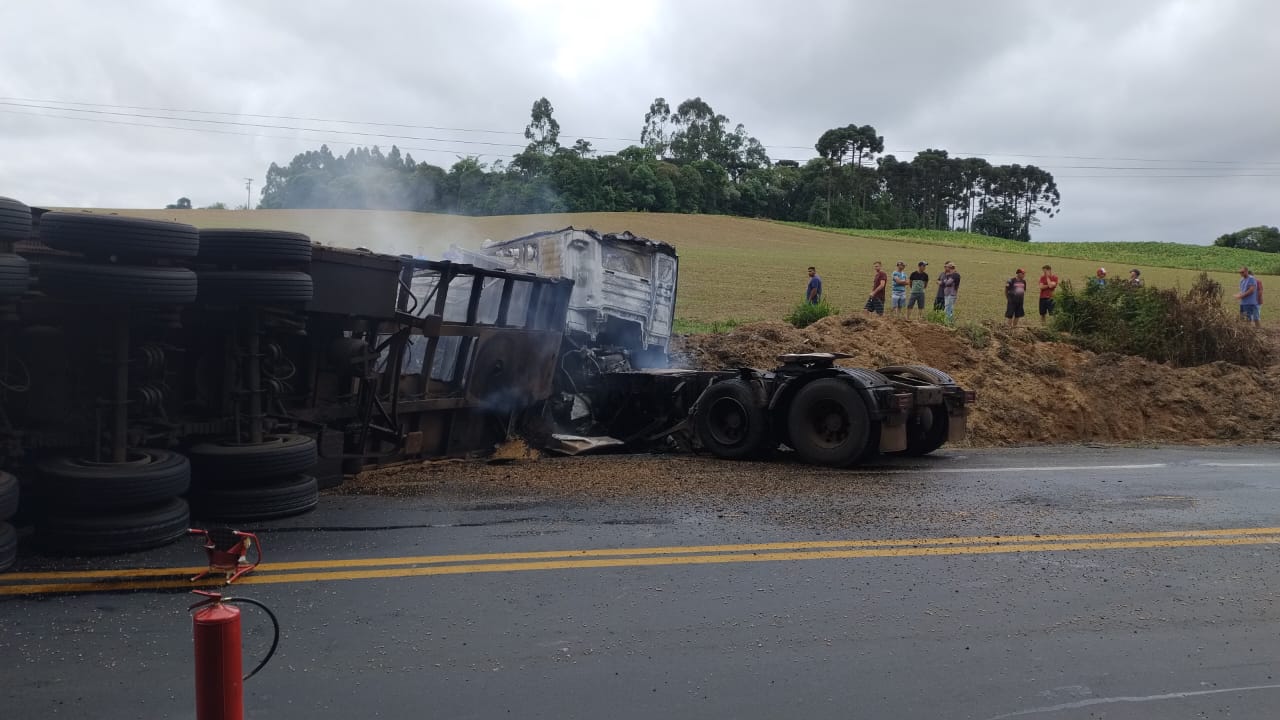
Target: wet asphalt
x,y
1121,623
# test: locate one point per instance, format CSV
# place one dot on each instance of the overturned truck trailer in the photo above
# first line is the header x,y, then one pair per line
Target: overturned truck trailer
x,y
148,368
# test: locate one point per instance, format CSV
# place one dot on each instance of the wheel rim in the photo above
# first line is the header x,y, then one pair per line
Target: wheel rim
x,y
829,422
727,421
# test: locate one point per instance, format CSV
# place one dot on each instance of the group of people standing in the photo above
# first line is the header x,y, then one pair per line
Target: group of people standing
x,y
907,291
1015,293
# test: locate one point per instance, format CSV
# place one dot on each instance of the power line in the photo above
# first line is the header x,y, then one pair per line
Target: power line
x,y
370,123
1152,171
258,125
214,131
14,100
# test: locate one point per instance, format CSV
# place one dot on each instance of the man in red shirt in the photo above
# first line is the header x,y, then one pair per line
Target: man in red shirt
x,y
875,301
1048,283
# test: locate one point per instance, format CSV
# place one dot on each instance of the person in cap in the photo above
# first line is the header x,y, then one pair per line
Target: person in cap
x,y
1015,293
1135,278
1048,284
949,285
898,289
919,280
1099,278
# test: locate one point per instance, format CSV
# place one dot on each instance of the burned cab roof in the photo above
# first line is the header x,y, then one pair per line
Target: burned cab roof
x,y
625,237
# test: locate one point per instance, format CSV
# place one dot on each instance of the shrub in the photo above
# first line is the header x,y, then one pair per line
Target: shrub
x,y
1160,324
938,317
977,334
806,314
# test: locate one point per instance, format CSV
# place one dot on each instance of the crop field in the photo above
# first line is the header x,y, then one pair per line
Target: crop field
x,y
737,270
1172,255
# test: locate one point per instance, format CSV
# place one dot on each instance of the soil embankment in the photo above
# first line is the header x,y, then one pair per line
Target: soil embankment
x,y
1029,391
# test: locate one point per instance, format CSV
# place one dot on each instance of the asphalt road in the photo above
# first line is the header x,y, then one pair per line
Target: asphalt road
x,y
1038,583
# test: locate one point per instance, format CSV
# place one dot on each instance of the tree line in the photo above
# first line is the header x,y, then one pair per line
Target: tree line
x,y
1265,238
690,159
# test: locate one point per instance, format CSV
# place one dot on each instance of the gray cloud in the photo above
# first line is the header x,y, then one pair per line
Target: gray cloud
x,y
1177,82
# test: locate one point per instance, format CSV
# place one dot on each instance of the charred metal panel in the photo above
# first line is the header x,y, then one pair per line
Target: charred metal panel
x,y
354,283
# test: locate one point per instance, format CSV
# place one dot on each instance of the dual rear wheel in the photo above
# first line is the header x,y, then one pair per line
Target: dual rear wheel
x,y
826,422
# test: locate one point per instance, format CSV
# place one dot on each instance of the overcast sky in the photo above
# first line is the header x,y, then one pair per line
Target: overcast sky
x,y
1119,100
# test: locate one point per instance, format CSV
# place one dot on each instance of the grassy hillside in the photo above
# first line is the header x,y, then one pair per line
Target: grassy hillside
x,y
731,268
1142,254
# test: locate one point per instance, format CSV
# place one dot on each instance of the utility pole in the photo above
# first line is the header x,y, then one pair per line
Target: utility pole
x,y
248,193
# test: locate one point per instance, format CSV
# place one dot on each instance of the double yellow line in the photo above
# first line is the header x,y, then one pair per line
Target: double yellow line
x,y
39,583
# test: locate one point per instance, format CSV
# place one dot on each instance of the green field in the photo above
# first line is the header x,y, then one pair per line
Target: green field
x,y
737,269
1171,255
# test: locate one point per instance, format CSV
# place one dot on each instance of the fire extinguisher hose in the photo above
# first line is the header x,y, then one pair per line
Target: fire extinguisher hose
x,y
275,633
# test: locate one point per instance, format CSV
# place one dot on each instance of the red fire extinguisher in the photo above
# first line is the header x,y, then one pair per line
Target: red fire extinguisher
x,y
216,631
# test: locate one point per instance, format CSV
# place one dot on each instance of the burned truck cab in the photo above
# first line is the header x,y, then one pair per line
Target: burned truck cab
x,y
624,287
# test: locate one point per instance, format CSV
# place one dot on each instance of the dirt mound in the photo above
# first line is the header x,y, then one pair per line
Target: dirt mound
x,y
1029,390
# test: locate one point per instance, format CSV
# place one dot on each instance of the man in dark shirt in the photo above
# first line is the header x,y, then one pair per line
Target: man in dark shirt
x,y
1015,293
919,281
875,301
813,293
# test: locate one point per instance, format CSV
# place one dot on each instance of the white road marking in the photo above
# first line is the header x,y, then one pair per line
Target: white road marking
x,y
1231,464
1147,698
1041,468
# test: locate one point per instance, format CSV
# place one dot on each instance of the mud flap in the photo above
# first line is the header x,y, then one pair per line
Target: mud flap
x,y
893,434
956,427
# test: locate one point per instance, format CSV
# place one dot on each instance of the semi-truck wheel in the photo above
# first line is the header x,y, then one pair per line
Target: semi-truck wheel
x,y
8,546
921,440
729,422
15,276
226,463
255,287
95,533
924,373
146,478
828,424
254,248
99,236
15,221
8,495
292,496
122,284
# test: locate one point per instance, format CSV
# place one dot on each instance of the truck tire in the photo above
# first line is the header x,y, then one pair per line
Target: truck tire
x,y
93,533
922,441
225,463
924,373
828,423
255,287
15,221
293,496
15,276
728,420
254,248
101,236
125,284
8,546
148,478
8,495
